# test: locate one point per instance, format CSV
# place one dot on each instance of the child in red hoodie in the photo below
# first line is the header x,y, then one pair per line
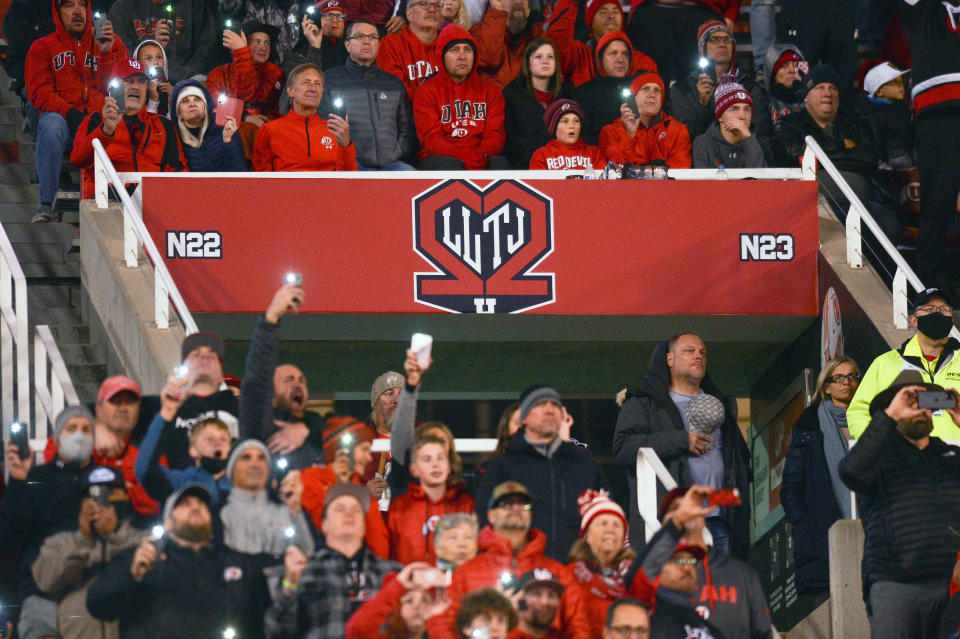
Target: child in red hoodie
x,y
413,516
564,120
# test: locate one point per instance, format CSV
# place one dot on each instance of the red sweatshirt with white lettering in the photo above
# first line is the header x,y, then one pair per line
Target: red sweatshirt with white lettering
x,y
557,156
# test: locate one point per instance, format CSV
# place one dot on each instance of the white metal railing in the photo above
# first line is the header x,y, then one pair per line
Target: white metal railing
x,y
479,445
14,337
650,469
135,235
857,216
52,386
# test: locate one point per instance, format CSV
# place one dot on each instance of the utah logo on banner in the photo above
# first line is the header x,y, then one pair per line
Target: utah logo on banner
x,y
484,245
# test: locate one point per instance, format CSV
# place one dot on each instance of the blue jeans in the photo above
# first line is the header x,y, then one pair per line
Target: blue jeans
x,y
763,29
393,166
53,138
720,530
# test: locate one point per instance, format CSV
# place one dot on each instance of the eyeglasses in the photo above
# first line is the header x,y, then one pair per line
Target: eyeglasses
x,y
426,6
850,377
685,561
523,505
720,39
631,631
333,17
368,37
946,310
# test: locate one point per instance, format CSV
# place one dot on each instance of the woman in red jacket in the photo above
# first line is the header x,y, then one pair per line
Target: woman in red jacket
x,y
647,134
599,560
302,140
564,120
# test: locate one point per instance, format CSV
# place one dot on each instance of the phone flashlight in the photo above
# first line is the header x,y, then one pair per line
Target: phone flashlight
x,y
181,371
311,10
157,532
169,8
228,23
625,93
15,428
703,63
338,103
229,633
282,463
289,532
114,83
506,579
296,279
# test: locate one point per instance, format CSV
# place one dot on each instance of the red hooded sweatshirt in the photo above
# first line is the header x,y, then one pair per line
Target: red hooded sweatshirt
x,y
666,139
500,55
558,156
301,143
63,73
409,58
496,557
579,61
412,519
158,148
463,120
258,85
316,482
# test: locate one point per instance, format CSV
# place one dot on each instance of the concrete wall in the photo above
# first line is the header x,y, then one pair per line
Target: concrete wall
x,y
118,303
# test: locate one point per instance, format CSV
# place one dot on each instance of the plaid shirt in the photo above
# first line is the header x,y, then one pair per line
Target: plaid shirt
x,y
330,591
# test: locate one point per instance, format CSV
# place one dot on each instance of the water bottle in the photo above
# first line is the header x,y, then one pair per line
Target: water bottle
x,y
721,173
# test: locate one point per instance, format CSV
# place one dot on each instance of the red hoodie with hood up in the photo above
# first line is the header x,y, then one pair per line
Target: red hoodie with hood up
x,y
64,74
463,120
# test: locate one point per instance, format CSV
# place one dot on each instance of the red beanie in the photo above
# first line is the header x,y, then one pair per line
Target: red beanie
x,y
335,430
591,11
705,31
646,78
558,109
727,95
787,56
607,39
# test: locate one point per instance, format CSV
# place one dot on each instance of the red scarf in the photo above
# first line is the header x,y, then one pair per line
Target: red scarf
x,y
607,584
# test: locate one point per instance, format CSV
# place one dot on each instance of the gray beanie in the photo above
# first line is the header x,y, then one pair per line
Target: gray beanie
x,y
538,396
66,414
390,379
238,450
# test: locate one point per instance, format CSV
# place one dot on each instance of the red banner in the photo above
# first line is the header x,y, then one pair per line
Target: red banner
x,y
507,246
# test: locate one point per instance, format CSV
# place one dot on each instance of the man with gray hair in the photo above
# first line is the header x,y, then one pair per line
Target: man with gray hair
x,y
384,395
692,427
554,470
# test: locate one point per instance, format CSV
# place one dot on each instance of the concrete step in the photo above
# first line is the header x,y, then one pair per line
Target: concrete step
x,y
87,391
71,335
23,173
41,253
18,213
92,374
41,272
79,355
16,193
10,114
26,233
56,316
53,295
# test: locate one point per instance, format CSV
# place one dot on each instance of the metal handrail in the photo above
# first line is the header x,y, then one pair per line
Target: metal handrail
x,y
53,389
650,469
858,214
135,235
14,337
479,445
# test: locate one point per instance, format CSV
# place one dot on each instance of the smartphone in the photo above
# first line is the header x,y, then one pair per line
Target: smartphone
x,y
295,279
158,538
170,15
630,100
228,107
118,92
309,11
20,438
724,497
935,400
99,22
156,73
338,107
228,24
421,344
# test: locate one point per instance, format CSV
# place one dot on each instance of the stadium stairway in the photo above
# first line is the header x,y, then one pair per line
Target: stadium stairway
x,y
48,253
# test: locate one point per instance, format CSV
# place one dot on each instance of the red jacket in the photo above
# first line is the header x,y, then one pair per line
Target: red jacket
x,y
412,518
499,56
578,59
407,57
159,148
666,140
496,557
463,120
142,503
64,73
557,156
728,8
301,143
376,11
367,622
316,483
258,85
597,591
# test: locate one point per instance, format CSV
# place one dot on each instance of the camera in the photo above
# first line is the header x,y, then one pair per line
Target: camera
x,y
935,400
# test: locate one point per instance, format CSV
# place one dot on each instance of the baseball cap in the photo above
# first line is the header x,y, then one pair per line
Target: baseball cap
x,y
128,67
539,576
190,490
696,551
507,488
333,6
926,295
879,76
194,341
118,383
98,481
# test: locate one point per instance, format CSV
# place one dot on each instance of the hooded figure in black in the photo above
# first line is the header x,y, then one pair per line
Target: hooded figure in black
x,y
650,418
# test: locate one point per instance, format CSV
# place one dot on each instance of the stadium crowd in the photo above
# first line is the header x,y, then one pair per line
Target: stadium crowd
x,y
211,510
282,85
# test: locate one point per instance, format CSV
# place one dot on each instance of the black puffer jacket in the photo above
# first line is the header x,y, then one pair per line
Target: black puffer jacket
x,y
555,484
909,501
809,502
381,121
851,147
893,127
649,418
526,131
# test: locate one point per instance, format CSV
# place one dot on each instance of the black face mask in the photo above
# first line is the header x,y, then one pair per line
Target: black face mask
x,y
213,465
935,325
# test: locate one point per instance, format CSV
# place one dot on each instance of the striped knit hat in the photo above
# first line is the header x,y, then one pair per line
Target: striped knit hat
x,y
597,502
